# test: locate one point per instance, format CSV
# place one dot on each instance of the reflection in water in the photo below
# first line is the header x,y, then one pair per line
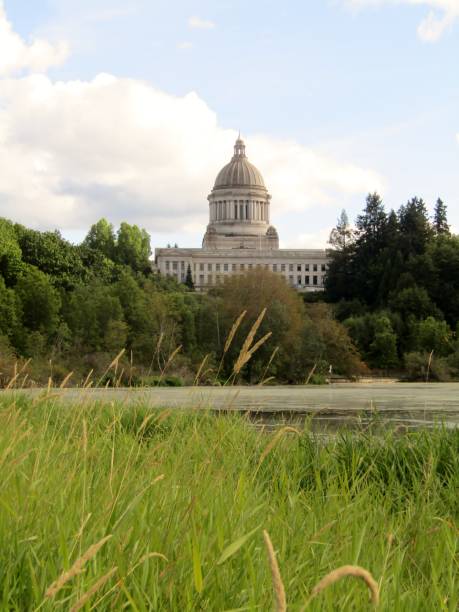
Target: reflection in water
x,y
326,409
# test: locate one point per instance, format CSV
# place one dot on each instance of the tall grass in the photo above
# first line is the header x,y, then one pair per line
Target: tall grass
x,y
110,508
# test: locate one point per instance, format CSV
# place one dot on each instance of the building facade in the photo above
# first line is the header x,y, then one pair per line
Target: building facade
x,y
239,236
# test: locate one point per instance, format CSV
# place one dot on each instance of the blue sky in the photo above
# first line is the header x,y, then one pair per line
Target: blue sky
x,y
365,89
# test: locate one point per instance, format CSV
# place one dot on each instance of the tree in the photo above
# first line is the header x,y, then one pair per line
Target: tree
x,y
101,237
133,247
338,282
95,318
40,301
415,228
252,292
371,225
434,335
10,314
342,236
10,252
189,279
53,255
440,220
371,243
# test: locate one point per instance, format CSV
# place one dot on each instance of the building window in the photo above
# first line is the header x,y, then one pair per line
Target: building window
x,y
217,267
314,268
250,266
242,266
225,267
283,268
209,267
314,280
290,279
234,267
299,280
201,267
306,267
201,279
274,267
324,268
298,268
168,265
290,268
182,265
174,265
306,280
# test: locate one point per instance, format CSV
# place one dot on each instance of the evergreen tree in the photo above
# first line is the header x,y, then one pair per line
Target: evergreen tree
x,y
415,228
189,279
338,282
342,236
369,260
371,225
440,220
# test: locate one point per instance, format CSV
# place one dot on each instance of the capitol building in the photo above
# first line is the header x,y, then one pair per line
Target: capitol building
x,y
239,236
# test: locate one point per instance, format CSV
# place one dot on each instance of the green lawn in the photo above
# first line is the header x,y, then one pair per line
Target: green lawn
x,y
178,502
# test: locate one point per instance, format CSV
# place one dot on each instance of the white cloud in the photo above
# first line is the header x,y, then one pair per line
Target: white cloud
x,y
185,45
17,55
441,16
72,152
200,24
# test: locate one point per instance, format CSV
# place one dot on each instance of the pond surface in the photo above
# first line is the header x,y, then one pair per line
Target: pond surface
x,y
327,408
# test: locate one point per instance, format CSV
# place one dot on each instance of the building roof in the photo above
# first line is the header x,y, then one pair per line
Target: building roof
x,y
239,172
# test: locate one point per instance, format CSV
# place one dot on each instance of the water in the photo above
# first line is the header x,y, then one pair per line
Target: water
x,y
327,408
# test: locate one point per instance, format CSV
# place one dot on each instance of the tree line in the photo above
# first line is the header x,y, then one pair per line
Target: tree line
x,y
74,307
394,281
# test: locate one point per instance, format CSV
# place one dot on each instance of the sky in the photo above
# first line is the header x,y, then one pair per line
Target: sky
x,y
128,110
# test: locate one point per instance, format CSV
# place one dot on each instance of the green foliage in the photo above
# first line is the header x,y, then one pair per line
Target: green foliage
x,y
10,252
53,255
101,238
40,301
406,266
133,247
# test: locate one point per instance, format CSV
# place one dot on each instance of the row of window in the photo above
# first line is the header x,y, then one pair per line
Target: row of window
x,y
306,281
226,267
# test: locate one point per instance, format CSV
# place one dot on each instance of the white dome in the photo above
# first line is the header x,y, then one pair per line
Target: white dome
x,y
239,172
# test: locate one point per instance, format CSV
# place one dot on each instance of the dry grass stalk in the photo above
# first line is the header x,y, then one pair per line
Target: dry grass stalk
x,y
429,365
322,530
273,443
201,367
311,374
66,380
246,352
348,570
87,382
93,590
76,568
264,380
17,373
279,590
171,359
233,331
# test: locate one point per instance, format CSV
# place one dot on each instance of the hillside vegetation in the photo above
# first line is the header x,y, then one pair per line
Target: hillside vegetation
x,y
391,306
